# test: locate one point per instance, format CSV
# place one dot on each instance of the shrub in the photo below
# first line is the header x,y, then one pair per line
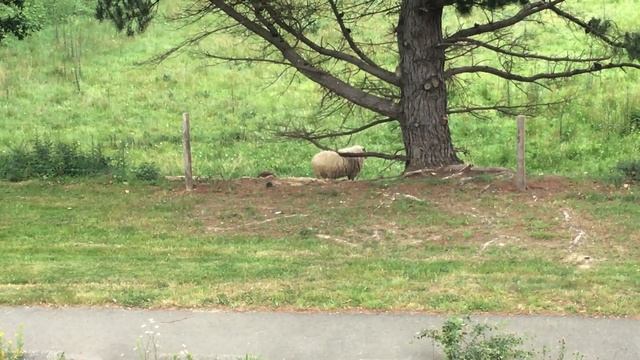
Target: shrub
x,y
630,169
147,172
42,158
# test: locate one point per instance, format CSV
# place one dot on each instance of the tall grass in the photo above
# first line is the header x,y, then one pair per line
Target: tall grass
x,y
234,108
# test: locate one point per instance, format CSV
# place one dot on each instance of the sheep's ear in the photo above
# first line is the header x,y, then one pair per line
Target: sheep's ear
x,y
364,150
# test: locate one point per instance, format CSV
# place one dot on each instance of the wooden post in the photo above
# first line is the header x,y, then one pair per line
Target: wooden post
x,y
186,151
521,181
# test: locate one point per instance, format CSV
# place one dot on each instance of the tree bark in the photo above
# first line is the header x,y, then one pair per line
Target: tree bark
x,y
423,120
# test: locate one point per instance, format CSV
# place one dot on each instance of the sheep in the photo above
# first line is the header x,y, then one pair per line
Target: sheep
x,y
330,165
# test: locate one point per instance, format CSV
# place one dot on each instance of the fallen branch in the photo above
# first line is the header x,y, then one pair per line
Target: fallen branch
x,y
213,228
459,173
452,171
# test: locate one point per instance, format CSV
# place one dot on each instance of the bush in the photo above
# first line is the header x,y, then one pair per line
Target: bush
x,y
147,172
42,158
462,340
630,169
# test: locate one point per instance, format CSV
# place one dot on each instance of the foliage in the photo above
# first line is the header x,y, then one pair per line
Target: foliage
x,y
463,340
146,172
632,45
9,351
130,15
18,19
465,6
43,158
630,169
64,11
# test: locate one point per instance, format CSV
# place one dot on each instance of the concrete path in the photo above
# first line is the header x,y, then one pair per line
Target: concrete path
x,y
96,333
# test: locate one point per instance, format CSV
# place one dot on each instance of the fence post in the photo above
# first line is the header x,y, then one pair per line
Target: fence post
x,y
521,181
186,151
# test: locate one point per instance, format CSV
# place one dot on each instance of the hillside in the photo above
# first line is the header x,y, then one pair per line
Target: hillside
x,y
77,80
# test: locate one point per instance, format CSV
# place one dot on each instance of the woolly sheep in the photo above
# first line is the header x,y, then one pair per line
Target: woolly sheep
x,y
330,165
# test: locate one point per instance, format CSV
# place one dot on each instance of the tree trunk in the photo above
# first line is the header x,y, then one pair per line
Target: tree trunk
x,y
425,129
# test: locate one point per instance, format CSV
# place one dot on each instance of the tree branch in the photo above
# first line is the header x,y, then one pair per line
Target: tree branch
x,y
533,78
526,55
364,64
332,83
500,108
525,12
350,131
346,33
245,59
586,27
310,137
157,59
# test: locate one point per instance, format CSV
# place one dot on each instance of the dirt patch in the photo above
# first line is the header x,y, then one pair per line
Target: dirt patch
x,y
414,212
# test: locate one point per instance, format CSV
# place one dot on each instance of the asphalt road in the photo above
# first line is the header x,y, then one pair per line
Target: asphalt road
x,y
99,333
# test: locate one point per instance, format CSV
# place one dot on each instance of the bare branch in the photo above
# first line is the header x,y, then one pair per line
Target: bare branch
x,y
325,79
368,66
350,131
501,108
586,27
527,55
188,42
310,137
245,59
346,33
524,13
533,78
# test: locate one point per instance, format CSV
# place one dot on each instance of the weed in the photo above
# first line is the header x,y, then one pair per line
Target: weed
x,y
42,158
146,172
463,340
9,351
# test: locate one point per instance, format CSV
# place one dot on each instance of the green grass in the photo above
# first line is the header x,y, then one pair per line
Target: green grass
x,y
358,245
233,108
92,242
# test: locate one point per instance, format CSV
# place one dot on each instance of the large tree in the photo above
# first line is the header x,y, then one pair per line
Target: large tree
x,y
330,43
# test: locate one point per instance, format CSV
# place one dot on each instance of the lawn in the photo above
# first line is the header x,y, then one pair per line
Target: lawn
x,y
401,245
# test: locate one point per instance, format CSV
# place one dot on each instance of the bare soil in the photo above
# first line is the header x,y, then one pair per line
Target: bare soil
x,y
481,212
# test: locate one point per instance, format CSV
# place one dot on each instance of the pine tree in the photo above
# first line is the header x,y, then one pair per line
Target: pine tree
x,y
348,65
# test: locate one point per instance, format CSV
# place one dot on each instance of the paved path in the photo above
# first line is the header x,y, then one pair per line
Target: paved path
x,y
95,333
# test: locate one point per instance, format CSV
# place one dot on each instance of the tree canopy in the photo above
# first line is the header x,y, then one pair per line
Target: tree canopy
x,y
16,20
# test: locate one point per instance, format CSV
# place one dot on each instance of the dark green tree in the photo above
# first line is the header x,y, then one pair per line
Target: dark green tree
x,y
330,43
14,20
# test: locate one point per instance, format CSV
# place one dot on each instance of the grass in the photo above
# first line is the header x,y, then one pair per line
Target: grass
x,y
93,242
234,110
356,245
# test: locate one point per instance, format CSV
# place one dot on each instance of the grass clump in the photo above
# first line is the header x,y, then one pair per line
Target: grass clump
x,y
43,158
147,172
